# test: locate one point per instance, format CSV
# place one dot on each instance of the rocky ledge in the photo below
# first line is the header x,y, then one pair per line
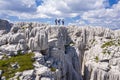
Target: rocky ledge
x,y
64,53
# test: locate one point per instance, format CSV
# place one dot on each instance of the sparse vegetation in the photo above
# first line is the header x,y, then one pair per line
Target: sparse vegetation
x,y
119,42
108,52
25,62
24,27
92,41
107,44
5,57
105,51
96,59
19,52
70,44
53,69
67,45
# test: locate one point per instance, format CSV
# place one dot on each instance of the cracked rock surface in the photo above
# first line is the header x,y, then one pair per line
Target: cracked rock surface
x,y
64,53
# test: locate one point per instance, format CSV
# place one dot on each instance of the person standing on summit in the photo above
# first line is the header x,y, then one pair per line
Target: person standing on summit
x,y
62,21
59,21
56,21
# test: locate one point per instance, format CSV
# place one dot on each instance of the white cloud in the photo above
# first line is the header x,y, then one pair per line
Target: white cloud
x,y
49,8
18,5
69,8
93,12
104,17
17,8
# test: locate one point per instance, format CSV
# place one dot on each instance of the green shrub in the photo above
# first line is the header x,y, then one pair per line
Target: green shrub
x,y
53,69
19,52
92,41
106,52
25,62
96,58
107,44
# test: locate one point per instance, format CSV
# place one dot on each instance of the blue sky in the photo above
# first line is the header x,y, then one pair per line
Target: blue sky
x,y
103,13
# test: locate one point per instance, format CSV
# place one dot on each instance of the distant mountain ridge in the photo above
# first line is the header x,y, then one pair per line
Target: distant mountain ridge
x,y
5,25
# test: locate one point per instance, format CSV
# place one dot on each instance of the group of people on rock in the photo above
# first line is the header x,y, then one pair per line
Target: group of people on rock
x,y
59,21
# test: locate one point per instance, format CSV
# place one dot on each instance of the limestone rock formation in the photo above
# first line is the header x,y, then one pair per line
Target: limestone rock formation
x,y
14,29
64,53
39,42
2,32
3,39
21,46
14,38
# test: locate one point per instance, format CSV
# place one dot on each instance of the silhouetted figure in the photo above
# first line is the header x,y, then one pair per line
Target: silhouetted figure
x,y
59,21
56,21
62,21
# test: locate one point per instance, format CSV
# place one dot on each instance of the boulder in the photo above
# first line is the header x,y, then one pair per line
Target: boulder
x,y
36,30
13,39
1,73
58,32
22,45
27,75
27,34
2,32
15,29
39,58
3,78
3,39
40,42
15,65
47,78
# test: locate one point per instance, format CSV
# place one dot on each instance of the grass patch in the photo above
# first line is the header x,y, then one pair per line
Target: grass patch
x,y
107,44
96,59
25,62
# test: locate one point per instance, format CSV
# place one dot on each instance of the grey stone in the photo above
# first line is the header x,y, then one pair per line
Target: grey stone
x,y
40,42
1,73
15,38
15,29
22,45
